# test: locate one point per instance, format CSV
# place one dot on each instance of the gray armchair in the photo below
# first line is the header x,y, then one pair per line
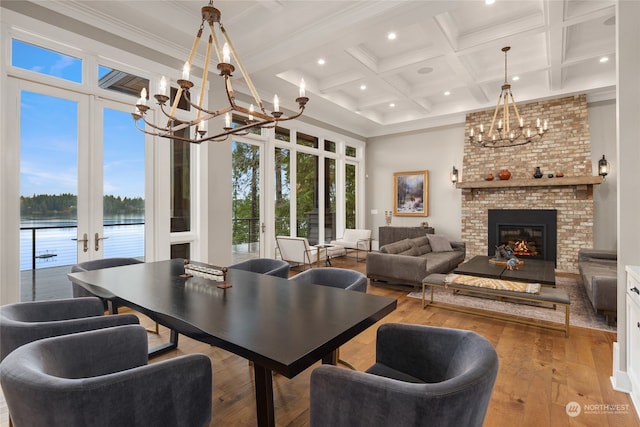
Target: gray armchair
x,y
22,323
338,278
331,276
422,376
97,264
101,378
269,266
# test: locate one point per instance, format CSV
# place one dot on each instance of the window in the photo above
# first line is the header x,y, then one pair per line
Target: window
x,y
307,140
350,151
181,184
350,195
45,61
121,81
329,146
307,197
282,192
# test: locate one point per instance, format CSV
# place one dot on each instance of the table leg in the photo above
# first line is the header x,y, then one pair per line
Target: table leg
x,y
264,396
331,358
163,348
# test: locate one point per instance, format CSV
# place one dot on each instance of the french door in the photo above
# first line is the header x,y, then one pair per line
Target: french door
x,y
81,177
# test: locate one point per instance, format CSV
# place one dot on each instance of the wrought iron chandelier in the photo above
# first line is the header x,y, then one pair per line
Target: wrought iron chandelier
x,y
506,135
254,117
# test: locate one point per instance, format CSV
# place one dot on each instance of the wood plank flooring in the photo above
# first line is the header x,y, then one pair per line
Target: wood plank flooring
x,y
540,371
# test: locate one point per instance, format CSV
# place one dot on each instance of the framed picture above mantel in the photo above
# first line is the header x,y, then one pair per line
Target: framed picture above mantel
x,y
411,193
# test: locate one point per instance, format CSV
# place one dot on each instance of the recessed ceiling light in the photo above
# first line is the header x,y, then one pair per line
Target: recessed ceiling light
x,y
321,61
489,1
391,36
363,87
604,59
392,105
447,93
516,78
425,70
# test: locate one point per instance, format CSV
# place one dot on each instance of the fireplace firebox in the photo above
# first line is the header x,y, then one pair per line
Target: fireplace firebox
x,y
531,233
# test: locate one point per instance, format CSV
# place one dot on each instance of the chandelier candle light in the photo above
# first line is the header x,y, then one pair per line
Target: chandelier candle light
x,y
255,118
506,135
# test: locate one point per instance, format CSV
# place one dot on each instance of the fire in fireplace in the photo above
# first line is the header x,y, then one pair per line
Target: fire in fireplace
x,y
531,233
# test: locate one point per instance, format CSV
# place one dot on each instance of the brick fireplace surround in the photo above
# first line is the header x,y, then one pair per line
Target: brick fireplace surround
x,y
565,148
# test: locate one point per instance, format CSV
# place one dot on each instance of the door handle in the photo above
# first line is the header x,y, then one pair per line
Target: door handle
x,y
263,227
635,289
85,240
97,239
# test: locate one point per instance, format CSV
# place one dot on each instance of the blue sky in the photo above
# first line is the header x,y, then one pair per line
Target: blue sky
x,y
49,134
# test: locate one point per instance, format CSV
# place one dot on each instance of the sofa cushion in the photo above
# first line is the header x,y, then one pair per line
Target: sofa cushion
x,y
439,243
421,244
397,247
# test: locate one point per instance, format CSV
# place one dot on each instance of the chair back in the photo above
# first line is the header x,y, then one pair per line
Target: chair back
x,y
268,266
77,380
24,322
441,376
331,276
97,264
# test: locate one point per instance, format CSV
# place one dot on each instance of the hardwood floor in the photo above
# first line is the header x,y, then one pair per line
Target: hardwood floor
x,y
540,371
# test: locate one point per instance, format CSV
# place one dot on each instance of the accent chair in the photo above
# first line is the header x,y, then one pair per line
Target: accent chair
x,y
101,378
24,322
268,266
423,375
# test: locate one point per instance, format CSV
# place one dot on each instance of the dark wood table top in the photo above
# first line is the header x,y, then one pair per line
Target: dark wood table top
x,y
532,271
283,326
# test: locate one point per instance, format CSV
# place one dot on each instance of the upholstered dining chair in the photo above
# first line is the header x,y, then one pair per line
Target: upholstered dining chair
x,y
422,375
343,278
24,322
101,378
269,266
97,264
331,276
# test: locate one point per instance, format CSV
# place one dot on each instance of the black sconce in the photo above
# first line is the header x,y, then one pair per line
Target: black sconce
x,y
454,176
603,167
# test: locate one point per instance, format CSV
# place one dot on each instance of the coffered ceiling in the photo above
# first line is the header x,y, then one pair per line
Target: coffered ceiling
x,y
446,58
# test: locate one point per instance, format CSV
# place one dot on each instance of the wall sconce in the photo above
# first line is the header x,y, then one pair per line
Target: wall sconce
x,y
603,167
454,176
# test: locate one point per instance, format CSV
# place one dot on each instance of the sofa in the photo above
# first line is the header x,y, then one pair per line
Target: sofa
x,y
354,238
408,261
599,271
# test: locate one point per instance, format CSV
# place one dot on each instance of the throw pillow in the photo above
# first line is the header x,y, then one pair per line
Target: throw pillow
x,y
439,243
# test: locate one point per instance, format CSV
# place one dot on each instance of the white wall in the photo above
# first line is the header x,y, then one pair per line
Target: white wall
x,y
602,124
439,149
436,150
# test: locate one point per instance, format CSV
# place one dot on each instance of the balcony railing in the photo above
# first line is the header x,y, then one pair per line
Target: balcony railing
x,y
55,245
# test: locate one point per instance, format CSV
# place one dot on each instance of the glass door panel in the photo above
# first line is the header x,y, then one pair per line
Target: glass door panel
x,y
307,197
246,201
350,195
282,205
123,186
330,205
48,184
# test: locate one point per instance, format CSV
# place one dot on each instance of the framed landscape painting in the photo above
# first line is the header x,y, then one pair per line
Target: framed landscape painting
x,y
410,193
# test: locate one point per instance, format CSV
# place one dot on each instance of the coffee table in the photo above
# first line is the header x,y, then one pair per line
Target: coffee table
x,y
532,271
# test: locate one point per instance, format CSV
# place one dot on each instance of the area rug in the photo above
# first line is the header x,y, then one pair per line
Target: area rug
x,y
582,313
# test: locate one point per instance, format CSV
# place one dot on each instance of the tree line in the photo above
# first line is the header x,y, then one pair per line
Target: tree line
x,y
67,204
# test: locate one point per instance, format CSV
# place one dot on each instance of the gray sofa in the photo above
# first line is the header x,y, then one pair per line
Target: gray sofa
x,y
409,261
599,271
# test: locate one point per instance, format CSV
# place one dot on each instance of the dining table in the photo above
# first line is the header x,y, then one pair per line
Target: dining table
x,y
279,325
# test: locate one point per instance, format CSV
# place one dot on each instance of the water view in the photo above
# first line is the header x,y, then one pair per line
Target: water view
x,y
54,244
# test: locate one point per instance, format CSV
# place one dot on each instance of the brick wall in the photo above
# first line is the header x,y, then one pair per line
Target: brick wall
x,y
565,148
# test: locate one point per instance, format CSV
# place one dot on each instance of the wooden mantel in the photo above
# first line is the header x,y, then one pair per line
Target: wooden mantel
x,y
581,184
